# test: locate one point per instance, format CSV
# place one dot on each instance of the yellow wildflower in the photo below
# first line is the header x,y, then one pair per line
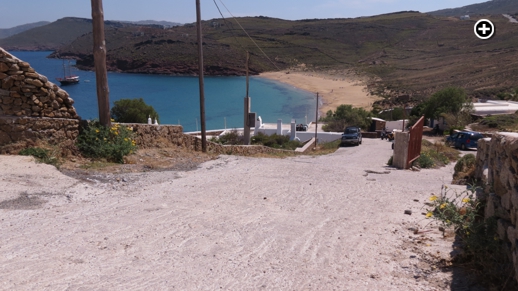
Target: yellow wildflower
x,y
448,221
112,120
465,200
443,205
429,214
97,130
125,139
433,198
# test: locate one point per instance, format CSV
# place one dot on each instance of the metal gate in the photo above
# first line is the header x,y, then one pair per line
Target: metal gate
x,y
414,142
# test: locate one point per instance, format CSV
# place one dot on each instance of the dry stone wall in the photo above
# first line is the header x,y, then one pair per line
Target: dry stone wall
x,y
497,168
27,93
20,132
32,108
161,136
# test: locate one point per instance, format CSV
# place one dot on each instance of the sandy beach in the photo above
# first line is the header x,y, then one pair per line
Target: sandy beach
x,y
335,90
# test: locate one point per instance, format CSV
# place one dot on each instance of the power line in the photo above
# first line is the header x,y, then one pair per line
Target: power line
x,y
244,31
231,24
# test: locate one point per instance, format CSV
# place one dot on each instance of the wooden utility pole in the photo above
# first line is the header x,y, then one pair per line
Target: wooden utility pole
x,y
246,134
316,123
202,90
101,77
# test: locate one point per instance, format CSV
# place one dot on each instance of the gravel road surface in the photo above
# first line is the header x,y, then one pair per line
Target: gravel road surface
x,y
332,222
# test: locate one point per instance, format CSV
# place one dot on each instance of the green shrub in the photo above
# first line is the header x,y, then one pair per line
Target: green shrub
x,y
41,155
99,142
390,161
465,163
439,158
346,115
435,155
276,141
332,145
481,245
132,111
464,169
504,122
230,138
424,161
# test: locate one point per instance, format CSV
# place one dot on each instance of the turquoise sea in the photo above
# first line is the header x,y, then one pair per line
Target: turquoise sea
x,y
176,99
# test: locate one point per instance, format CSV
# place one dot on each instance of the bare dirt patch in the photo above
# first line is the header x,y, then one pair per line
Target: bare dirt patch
x,y
234,223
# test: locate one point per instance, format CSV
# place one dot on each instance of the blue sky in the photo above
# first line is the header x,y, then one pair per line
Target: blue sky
x,y
19,12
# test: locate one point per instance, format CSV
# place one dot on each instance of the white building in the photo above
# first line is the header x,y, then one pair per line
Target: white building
x,y
492,107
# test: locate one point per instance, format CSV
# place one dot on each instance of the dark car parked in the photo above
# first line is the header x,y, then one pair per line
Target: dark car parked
x,y
464,139
351,135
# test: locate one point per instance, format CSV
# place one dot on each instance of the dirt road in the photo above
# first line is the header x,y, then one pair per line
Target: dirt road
x,y
235,223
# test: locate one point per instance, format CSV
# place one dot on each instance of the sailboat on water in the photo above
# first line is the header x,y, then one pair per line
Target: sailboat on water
x,y
70,79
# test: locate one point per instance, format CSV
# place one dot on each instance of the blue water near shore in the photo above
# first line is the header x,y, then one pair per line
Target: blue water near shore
x,y
176,99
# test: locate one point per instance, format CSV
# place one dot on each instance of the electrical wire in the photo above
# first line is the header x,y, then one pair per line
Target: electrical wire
x,y
243,31
232,26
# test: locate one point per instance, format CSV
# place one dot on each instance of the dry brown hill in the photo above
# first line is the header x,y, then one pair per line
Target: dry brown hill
x,y
7,32
489,7
404,53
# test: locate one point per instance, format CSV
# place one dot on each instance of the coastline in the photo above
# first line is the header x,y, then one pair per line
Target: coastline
x,y
334,90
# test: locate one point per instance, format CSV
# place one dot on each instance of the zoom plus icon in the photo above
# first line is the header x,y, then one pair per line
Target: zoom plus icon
x,y
484,29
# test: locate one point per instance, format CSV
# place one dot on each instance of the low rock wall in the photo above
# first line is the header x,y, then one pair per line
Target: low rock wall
x,y
497,168
23,130
153,136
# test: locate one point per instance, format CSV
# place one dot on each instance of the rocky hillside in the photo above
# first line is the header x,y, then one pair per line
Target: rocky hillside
x,y
405,53
7,32
48,37
63,32
489,7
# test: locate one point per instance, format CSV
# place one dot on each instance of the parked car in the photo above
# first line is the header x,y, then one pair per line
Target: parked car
x,y
464,139
351,135
301,127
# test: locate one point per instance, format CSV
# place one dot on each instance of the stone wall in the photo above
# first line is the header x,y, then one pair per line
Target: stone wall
x,y
20,132
24,92
497,168
32,108
161,136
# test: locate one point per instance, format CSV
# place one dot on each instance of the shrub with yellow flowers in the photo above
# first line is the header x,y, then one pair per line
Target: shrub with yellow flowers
x,y
110,143
478,236
455,209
